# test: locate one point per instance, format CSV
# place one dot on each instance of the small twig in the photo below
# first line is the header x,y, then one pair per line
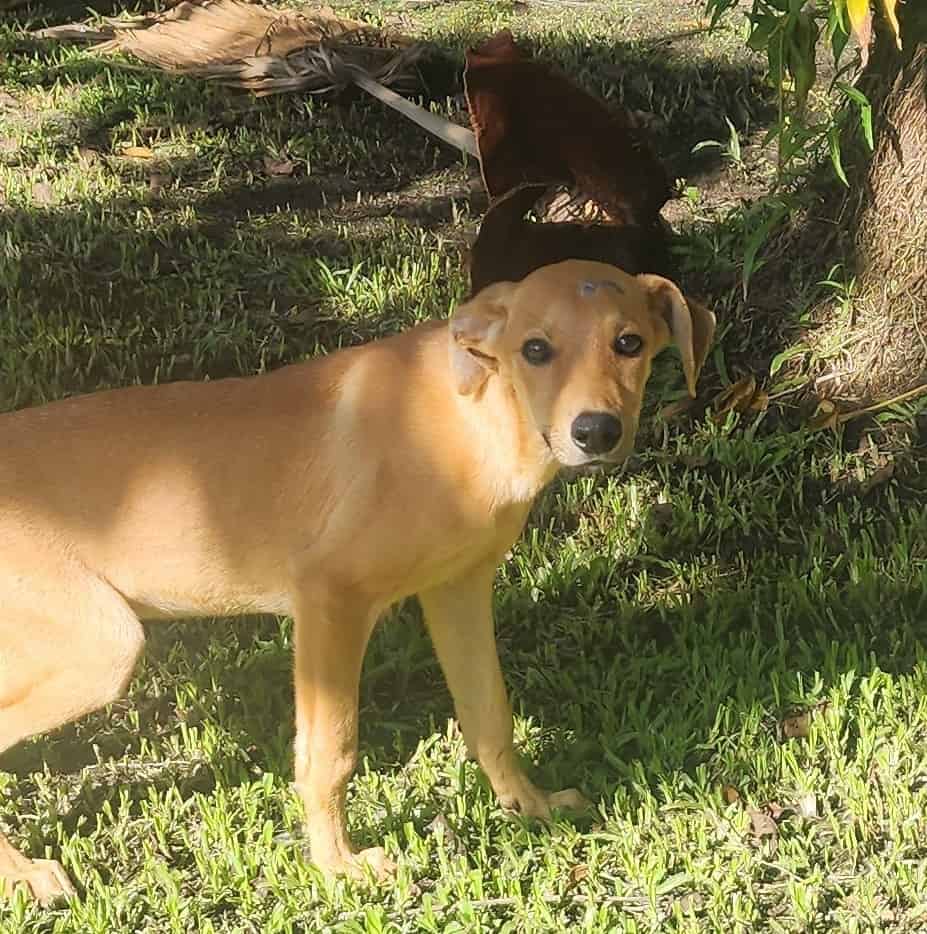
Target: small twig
x,y
787,392
674,36
875,407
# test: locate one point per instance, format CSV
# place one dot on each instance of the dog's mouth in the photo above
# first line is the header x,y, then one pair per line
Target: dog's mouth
x,y
571,458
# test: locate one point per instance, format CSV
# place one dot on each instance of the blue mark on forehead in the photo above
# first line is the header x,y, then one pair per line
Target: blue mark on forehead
x,y
589,287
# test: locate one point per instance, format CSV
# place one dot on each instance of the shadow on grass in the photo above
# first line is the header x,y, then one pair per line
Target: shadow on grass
x,y
622,694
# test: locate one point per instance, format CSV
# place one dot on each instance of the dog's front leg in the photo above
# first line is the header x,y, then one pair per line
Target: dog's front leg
x,y
331,636
459,617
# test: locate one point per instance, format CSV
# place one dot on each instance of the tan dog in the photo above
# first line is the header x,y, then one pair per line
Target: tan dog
x,y
327,491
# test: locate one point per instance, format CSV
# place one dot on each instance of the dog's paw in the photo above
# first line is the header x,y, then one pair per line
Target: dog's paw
x,y
534,803
372,862
570,800
43,879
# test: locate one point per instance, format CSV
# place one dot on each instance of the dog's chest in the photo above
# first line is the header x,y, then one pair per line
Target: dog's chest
x,y
414,564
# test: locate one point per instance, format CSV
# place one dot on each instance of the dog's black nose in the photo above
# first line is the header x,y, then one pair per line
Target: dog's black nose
x,y
596,432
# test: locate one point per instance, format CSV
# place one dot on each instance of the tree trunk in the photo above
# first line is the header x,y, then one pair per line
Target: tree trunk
x,y
887,346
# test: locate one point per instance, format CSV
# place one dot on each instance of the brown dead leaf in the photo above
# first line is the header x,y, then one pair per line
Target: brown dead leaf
x,y
760,402
137,152
87,156
279,166
737,394
691,902
741,396
882,475
42,193
826,416
761,824
774,810
578,873
730,794
675,409
797,727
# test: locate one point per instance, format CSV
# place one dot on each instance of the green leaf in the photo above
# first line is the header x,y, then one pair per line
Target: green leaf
x,y
776,364
837,32
865,110
833,147
763,28
756,240
803,41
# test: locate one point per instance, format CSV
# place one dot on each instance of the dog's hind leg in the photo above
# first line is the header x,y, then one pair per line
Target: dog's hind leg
x,y
68,645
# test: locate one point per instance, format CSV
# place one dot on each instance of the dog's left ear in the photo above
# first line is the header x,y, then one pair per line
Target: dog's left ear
x,y
475,329
691,325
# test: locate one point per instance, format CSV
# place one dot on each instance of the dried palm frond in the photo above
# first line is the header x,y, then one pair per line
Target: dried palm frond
x,y
254,47
270,51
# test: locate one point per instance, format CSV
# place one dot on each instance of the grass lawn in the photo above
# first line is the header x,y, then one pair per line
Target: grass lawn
x,y
722,645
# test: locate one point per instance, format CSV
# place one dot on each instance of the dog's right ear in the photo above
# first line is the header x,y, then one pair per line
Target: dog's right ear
x,y
475,329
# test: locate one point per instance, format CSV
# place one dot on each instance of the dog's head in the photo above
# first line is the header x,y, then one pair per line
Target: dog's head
x,y
575,341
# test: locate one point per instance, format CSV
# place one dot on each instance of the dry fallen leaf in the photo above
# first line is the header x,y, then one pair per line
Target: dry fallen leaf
x,y
675,409
736,397
882,475
797,727
42,193
774,810
279,167
742,396
761,824
578,873
730,794
87,156
137,152
760,402
825,416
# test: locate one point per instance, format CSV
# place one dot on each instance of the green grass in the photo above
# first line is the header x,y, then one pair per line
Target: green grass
x,y
660,628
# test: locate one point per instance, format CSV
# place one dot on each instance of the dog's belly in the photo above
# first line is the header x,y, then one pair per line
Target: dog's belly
x,y
153,607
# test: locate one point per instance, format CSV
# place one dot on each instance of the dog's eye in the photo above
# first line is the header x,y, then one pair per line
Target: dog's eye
x,y
537,351
628,345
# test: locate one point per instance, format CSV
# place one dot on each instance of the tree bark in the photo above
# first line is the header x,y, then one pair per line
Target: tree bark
x,y
888,208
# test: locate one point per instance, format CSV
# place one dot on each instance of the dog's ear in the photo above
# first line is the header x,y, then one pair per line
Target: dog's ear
x,y
691,325
475,329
